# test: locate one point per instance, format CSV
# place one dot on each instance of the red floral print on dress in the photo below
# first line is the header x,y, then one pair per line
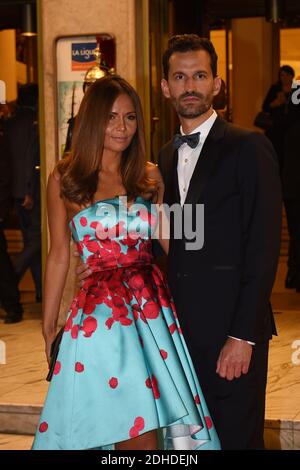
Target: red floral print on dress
x,y
151,310
93,246
129,241
57,368
120,312
90,305
113,382
43,427
139,424
164,354
152,382
197,399
136,311
74,332
131,256
83,221
89,326
172,328
208,421
136,282
79,367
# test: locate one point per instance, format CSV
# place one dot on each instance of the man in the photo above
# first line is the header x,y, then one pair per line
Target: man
x,y
222,291
9,293
23,140
283,133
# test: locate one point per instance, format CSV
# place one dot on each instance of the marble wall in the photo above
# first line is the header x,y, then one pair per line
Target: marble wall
x,y
75,17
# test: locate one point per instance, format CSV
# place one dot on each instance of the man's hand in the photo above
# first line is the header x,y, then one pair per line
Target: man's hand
x,y
234,359
28,202
82,270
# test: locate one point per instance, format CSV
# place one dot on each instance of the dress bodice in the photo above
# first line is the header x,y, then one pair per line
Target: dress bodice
x,y
110,234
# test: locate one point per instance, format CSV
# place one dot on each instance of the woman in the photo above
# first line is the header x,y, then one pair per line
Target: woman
x,y
123,369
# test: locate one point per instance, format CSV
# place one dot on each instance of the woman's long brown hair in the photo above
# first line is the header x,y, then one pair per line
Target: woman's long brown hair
x,y
79,171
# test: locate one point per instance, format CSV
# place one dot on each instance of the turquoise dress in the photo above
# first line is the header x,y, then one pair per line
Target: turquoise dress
x,y
123,367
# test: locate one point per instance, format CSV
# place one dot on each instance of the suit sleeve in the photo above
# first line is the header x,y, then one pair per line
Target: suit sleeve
x,y
31,157
260,189
5,177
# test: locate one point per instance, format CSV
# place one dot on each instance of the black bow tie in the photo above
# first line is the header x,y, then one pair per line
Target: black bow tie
x,y
191,139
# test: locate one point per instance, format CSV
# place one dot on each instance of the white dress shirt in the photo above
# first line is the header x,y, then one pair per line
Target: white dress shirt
x,y
187,160
188,157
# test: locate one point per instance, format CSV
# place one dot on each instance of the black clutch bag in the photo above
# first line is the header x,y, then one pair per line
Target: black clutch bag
x,y
54,353
263,120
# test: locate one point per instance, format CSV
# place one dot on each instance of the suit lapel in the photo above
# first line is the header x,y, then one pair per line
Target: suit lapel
x,y
175,186
170,176
207,161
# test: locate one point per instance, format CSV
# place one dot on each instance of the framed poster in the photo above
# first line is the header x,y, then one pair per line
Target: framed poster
x,y
74,56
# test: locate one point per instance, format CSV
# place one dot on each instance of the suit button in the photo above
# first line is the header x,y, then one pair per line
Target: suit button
x,y
178,275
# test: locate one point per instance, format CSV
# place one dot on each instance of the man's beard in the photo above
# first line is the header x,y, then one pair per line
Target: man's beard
x,y
196,109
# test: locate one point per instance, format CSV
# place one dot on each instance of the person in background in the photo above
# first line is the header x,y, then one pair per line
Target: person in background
x,y
71,121
94,73
291,193
22,134
9,293
277,103
283,135
220,101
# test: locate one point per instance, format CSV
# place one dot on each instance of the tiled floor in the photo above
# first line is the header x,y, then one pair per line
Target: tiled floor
x,y
15,442
283,391
22,377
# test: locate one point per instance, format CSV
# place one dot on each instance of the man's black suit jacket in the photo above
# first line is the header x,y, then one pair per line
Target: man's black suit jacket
x,y
224,288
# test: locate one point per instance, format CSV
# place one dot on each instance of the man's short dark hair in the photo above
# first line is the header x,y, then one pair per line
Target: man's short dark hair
x,y
189,42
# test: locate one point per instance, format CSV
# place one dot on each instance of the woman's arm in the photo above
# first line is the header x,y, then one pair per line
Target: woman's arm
x,y
162,231
57,263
